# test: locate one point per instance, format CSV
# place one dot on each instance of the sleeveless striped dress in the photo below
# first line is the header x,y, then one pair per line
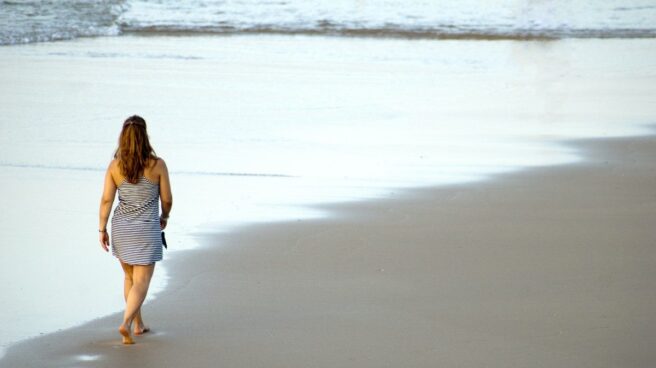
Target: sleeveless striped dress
x,y
136,233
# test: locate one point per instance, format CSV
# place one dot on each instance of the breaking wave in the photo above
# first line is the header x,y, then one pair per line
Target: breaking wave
x,y
28,21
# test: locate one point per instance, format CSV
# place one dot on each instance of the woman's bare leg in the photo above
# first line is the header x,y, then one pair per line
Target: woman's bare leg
x,y
140,327
141,276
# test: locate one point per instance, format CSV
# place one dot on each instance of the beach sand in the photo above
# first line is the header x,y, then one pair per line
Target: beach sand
x,y
547,267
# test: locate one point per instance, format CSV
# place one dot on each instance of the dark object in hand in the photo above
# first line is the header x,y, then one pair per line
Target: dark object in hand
x,y
164,241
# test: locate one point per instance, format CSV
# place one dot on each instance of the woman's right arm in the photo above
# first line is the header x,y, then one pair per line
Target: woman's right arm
x,y
164,193
106,201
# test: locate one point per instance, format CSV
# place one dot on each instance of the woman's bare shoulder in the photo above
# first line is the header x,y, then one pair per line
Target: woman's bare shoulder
x,y
160,163
115,171
156,166
113,165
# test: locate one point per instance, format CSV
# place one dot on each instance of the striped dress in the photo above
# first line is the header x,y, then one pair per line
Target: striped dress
x,y
136,233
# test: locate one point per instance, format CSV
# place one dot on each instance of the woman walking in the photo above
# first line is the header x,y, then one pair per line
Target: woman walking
x,y
142,180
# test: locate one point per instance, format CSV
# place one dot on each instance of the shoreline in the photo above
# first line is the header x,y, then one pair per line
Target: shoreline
x,y
456,118
466,274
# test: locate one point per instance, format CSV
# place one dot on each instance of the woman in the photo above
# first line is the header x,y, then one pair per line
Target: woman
x,y
142,180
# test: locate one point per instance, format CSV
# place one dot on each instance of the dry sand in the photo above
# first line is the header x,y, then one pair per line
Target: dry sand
x,y
550,267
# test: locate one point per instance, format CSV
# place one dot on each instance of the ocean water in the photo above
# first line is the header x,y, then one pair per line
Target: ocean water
x,y
283,115
23,21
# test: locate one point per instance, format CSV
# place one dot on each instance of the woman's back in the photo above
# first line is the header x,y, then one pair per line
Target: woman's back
x,y
139,201
136,231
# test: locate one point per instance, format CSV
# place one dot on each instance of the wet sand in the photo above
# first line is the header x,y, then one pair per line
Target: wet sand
x,y
336,118
548,267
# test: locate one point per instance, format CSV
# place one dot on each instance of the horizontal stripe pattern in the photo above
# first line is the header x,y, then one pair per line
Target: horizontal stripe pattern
x,y
136,232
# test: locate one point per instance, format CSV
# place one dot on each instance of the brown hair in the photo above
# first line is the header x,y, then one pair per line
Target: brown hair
x,y
134,150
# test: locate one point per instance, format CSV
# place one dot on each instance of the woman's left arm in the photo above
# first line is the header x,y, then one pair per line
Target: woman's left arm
x,y
106,201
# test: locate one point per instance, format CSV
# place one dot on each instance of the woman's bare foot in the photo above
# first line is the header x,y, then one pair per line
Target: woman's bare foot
x,y
140,330
125,332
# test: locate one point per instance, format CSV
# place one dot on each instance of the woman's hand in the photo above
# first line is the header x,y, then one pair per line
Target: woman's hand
x,y
163,221
104,240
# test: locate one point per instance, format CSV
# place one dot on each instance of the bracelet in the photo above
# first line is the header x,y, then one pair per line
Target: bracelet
x,y
102,231
164,218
